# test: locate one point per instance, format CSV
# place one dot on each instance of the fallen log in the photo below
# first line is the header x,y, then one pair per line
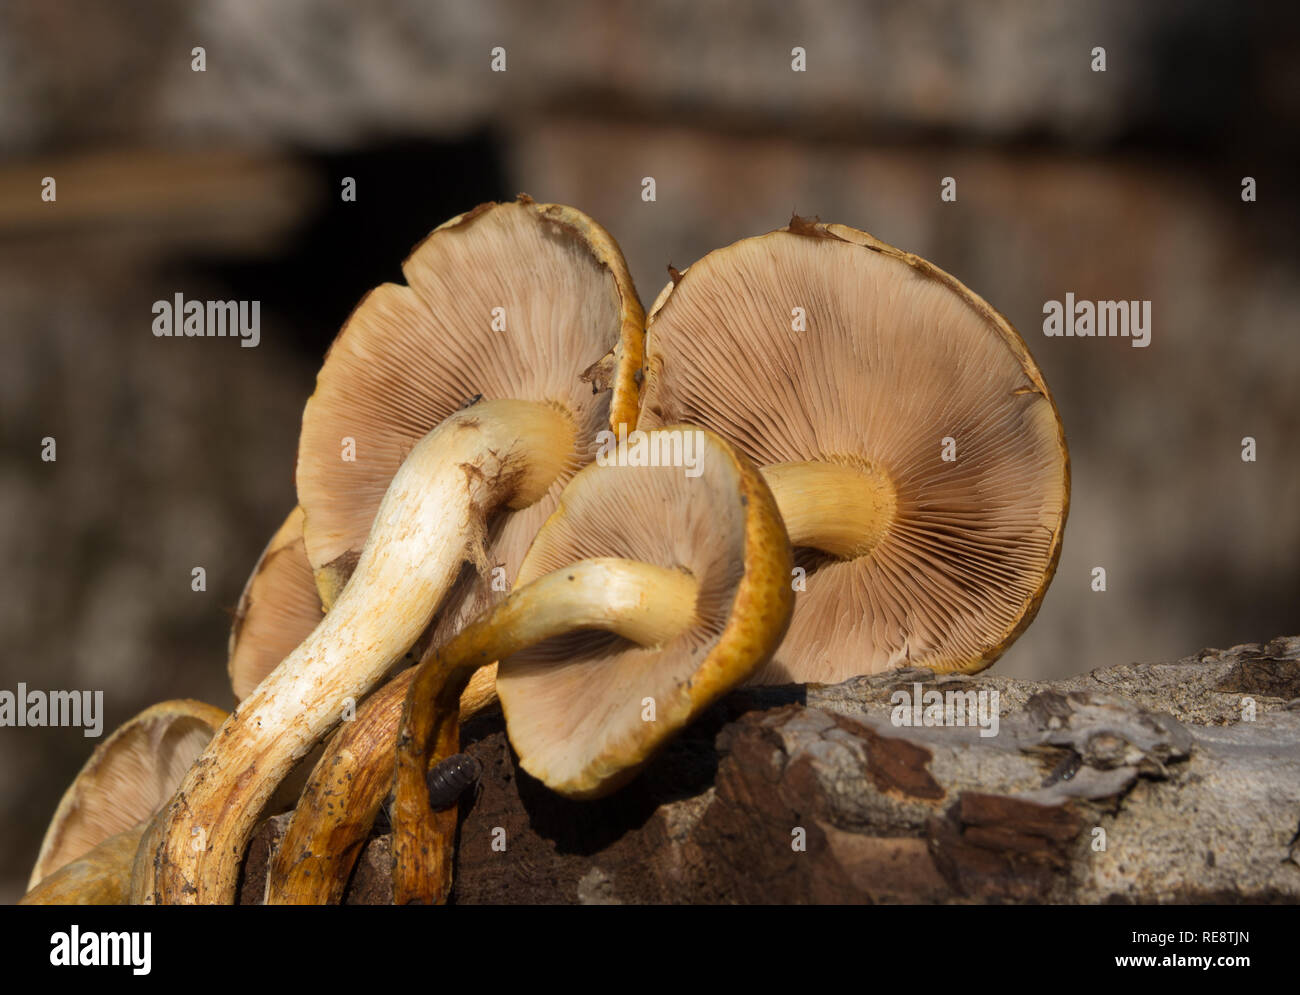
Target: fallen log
x,y
1159,782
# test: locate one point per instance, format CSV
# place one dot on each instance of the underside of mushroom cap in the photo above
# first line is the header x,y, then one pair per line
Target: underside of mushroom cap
x,y
277,609
512,300
888,358
585,710
126,780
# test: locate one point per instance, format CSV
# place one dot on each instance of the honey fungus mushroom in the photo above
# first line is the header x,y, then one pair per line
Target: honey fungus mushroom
x,y
101,816
613,639
504,310
913,447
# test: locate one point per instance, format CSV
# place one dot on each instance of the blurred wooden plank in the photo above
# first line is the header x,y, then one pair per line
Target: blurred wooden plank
x,y
219,196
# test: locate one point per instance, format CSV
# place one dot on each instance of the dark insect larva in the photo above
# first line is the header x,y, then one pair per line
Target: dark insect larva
x,y
448,779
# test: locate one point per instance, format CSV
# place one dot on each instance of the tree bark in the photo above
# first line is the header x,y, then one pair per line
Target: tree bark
x,y
1164,782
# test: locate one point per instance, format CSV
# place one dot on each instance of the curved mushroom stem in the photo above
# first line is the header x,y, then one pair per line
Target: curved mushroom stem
x,y
100,877
835,507
432,518
646,604
339,804
342,797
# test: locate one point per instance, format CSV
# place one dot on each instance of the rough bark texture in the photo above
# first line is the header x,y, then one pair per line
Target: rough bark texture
x,y
1194,799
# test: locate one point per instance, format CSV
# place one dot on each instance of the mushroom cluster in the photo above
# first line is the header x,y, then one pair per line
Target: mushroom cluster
x,y
879,479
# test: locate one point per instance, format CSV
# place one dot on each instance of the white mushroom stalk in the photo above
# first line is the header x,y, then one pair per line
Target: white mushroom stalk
x,y
432,519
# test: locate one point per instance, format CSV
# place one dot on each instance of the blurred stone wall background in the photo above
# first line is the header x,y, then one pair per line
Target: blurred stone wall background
x,y
225,184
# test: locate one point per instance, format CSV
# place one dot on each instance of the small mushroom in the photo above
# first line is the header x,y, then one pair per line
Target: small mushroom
x,y
612,641
911,443
522,301
401,484
128,778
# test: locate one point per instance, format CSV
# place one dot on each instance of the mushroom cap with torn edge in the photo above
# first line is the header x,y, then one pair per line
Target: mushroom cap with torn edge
x,y
896,365
578,707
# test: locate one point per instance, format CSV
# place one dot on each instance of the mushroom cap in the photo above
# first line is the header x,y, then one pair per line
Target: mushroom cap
x,y
100,876
410,355
574,704
277,610
896,355
128,778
